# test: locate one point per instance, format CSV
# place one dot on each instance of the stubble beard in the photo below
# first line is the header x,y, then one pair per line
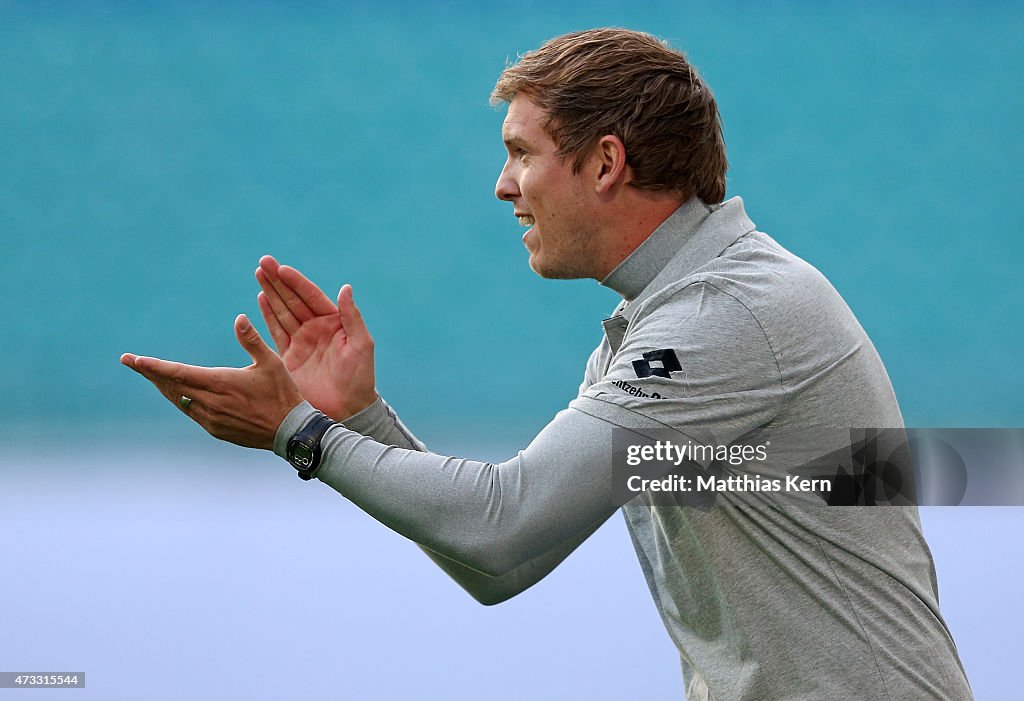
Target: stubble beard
x,y
575,259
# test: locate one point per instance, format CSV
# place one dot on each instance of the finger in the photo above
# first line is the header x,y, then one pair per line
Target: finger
x,y
299,309
281,311
351,319
177,375
172,390
281,338
269,264
252,342
314,298
130,360
193,403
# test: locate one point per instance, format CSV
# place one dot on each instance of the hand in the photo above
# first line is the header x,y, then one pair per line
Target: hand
x,y
241,405
325,347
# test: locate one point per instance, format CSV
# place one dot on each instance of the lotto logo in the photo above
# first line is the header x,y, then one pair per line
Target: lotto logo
x,y
661,363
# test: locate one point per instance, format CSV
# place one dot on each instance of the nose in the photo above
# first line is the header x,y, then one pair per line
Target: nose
x,y
506,188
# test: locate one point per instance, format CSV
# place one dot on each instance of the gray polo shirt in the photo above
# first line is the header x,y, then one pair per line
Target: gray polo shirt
x,y
722,336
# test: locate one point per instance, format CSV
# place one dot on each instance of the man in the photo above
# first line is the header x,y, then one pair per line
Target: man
x,y
617,164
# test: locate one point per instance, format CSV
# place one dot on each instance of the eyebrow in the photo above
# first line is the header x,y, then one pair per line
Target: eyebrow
x,y
515,141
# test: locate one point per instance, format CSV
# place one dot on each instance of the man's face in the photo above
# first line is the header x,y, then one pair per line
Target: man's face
x,y
547,196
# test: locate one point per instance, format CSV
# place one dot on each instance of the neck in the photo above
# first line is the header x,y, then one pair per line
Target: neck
x,y
674,235
631,226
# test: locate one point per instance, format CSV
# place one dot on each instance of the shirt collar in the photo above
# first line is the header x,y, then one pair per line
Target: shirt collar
x,y
640,267
692,236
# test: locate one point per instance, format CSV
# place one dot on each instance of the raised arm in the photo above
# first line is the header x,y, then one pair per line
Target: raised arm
x,y
491,518
497,517
329,352
379,421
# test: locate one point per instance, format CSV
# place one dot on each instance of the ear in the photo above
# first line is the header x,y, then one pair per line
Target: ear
x,y
610,163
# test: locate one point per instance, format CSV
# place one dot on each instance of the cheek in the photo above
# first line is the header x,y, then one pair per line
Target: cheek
x,y
537,189
526,187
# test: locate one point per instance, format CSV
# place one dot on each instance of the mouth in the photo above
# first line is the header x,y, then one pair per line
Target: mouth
x,y
526,220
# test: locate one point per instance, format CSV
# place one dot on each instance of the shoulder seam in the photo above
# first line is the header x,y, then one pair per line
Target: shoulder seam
x,y
708,283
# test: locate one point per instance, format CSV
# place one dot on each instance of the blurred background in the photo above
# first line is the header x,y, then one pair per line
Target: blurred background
x,y
150,153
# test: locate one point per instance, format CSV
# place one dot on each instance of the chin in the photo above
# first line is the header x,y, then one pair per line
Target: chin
x,y
550,271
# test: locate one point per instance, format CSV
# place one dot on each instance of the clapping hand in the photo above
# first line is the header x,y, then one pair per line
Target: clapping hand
x,y
325,346
241,405
326,357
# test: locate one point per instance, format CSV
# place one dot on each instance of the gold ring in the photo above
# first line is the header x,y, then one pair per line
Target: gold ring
x,y
184,402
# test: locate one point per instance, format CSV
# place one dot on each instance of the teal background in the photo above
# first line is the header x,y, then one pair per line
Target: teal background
x,y
150,153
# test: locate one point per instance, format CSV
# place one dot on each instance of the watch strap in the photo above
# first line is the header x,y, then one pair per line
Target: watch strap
x,y
304,449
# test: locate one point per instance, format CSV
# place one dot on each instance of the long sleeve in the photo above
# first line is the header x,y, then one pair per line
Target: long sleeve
x,y
489,517
381,423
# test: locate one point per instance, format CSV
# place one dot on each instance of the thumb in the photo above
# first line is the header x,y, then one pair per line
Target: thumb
x,y
351,319
250,339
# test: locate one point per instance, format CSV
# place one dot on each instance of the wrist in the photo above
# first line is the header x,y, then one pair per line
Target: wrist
x,y
352,408
298,417
304,450
367,419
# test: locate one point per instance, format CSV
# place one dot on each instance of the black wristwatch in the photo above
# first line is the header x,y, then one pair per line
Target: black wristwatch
x,y
304,451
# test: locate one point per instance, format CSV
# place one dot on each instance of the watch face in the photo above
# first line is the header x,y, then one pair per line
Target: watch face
x,y
302,456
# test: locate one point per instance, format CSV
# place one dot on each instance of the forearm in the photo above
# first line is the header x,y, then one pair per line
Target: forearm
x,y
490,517
380,422
490,590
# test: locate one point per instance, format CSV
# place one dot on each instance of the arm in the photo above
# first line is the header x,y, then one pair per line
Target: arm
x,y
494,518
490,517
379,422
493,590
302,320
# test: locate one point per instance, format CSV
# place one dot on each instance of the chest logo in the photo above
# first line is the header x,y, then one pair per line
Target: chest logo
x,y
659,363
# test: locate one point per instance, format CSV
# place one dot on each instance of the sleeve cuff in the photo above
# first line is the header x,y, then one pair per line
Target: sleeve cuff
x,y
295,420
